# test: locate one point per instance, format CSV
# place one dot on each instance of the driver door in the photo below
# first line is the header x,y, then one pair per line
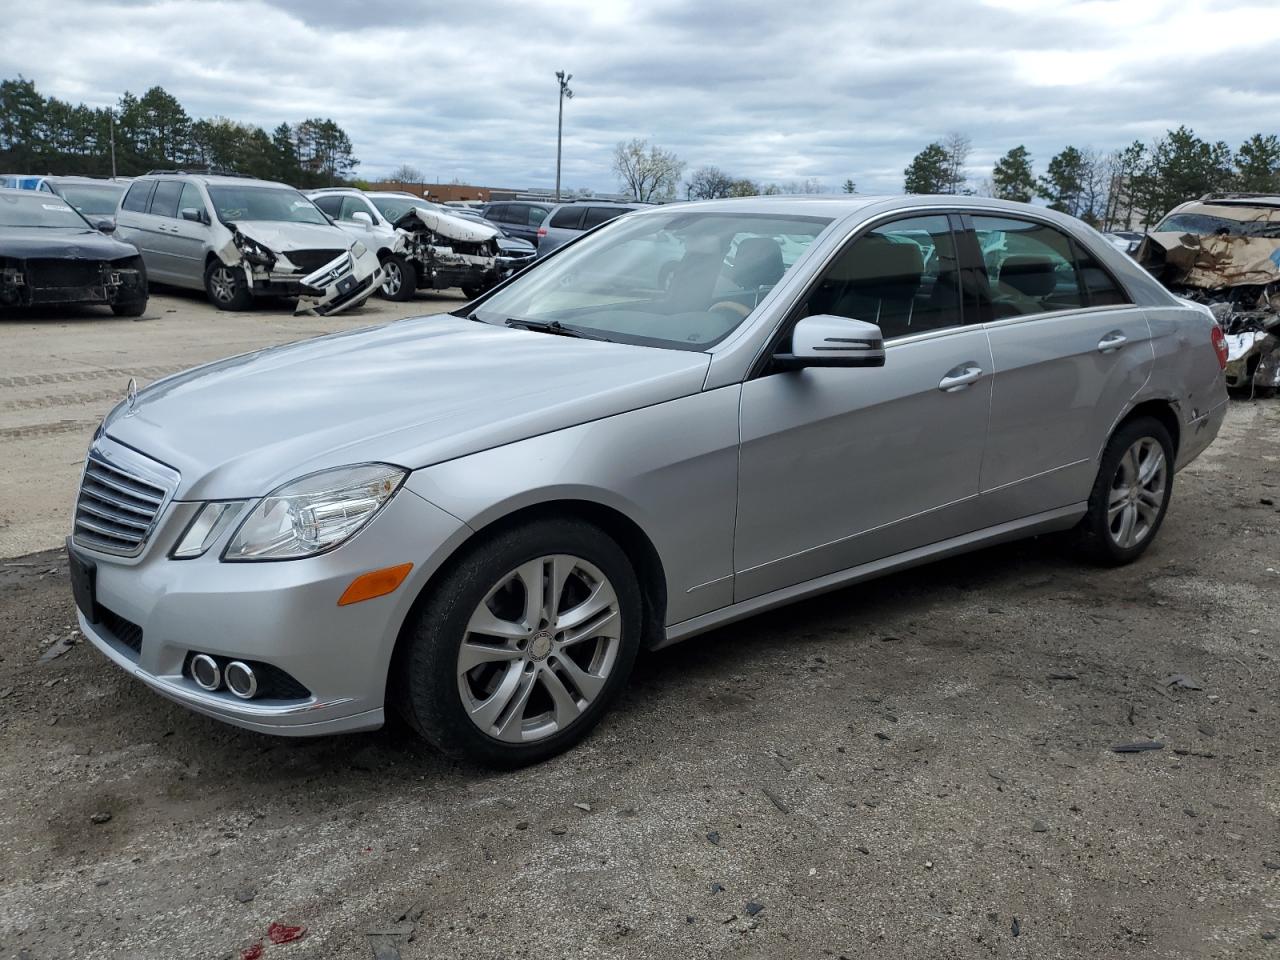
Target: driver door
x,y
840,467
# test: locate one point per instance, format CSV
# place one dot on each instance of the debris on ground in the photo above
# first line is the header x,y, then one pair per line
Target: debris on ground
x,y
58,649
776,800
102,816
713,837
584,807
752,908
246,894
1015,928
1183,681
251,952
1140,747
281,933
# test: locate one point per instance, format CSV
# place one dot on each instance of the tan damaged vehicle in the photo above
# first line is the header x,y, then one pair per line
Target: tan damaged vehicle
x,y
1223,250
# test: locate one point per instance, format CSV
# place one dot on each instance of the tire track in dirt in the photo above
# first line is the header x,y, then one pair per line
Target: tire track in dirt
x,y
50,400
45,429
84,376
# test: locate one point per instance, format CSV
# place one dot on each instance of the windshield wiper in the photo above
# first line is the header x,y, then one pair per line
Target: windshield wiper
x,y
551,326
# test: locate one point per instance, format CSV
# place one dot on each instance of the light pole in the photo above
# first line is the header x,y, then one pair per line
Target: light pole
x,y
565,94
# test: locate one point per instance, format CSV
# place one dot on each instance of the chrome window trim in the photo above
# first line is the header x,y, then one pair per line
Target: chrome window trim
x,y
1069,311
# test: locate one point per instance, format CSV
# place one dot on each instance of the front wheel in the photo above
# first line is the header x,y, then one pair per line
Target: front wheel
x,y
399,278
227,287
519,650
1131,493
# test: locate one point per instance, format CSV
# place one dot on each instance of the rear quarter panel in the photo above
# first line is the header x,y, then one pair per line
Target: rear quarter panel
x,y
1187,374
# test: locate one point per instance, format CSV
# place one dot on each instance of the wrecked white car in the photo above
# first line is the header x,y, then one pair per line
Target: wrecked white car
x,y
240,239
1223,250
448,250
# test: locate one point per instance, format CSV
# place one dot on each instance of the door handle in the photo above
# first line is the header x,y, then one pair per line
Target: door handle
x,y
960,377
1112,341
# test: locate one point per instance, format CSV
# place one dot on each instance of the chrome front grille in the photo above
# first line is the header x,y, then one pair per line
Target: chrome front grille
x,y
117,508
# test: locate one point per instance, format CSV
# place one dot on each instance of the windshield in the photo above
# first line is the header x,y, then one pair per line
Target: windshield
x,y
681,280
263,203
39,210
1261,223
92,199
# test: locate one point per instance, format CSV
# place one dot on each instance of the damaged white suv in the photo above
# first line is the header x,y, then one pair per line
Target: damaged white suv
x,y
238,238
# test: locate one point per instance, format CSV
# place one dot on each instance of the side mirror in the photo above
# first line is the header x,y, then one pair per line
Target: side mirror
x,y
826,341
105,225
361,217
194,214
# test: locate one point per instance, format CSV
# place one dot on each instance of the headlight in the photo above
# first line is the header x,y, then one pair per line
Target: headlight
x,y
203,531
358,249
253,251
315,513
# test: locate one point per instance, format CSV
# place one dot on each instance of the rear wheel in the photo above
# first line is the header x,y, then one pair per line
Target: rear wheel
x,y
227,287
520,649
1131,493
399,278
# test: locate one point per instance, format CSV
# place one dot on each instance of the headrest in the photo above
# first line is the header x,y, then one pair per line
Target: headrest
x,y
876,258
1031,276
757,263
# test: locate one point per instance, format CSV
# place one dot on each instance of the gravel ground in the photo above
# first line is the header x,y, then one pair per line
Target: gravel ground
x,y
60,373
918,767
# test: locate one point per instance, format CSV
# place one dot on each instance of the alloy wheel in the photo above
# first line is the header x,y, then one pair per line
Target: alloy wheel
x,y
539,649
223,283
394,278
1137,493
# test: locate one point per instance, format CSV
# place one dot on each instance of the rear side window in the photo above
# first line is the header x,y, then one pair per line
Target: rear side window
x,y
165,201
568,218
496,211
1100,288
533,216
598,215
138,195
1030,267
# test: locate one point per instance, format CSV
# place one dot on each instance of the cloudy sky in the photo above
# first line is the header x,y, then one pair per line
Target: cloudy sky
x,y
771,90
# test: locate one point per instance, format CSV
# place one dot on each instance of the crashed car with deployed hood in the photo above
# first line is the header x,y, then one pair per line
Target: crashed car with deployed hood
x,y
239,239
1223,251
50,254
450,251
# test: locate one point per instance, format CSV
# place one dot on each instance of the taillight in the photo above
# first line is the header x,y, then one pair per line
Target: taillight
x,y
542,231
1220,344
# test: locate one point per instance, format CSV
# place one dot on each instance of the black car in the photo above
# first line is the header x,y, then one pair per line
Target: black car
x,y
518,218
50,254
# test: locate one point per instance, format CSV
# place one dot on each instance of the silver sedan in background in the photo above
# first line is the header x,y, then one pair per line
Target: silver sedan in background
x,y
689,415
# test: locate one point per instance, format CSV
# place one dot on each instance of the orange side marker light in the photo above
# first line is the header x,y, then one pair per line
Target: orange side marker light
x,y
375,583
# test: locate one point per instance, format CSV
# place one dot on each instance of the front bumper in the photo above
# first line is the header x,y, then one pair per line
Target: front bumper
x,y
281,613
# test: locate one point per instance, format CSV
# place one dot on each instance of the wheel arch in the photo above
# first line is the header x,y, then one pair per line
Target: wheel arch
x,y
625,531
1162,410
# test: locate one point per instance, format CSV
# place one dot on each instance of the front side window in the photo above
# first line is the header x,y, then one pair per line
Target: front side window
x,y
351,206
1030,267
680,280
279,204
902,276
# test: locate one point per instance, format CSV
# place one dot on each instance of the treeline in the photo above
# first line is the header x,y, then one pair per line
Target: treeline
x,y
1115,190
44,135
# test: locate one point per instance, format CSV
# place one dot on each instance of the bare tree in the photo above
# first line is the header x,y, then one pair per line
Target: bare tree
x,y
406,173
709,183
647,172
957,147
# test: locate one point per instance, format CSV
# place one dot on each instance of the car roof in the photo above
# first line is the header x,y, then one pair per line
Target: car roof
x,y
74,178
209,179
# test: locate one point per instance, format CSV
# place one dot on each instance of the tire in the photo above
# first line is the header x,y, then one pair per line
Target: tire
x,y
1125,515
226,287
130,308
514,681
401,279
471,292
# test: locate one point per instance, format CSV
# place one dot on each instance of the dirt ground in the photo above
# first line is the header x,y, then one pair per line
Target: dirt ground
x,y
59,375
917,767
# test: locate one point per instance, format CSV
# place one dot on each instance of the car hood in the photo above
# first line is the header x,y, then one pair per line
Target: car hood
x,y
282,237
414,393
515,247
59,242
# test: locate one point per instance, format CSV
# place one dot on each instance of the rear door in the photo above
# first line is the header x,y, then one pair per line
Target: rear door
x,y
1070,350
841,467
132,223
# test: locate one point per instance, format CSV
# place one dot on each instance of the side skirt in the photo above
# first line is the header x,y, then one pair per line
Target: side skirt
x,y
1059,519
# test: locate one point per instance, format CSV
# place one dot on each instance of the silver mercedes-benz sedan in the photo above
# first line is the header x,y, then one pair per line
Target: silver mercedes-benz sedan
x,y
689,415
